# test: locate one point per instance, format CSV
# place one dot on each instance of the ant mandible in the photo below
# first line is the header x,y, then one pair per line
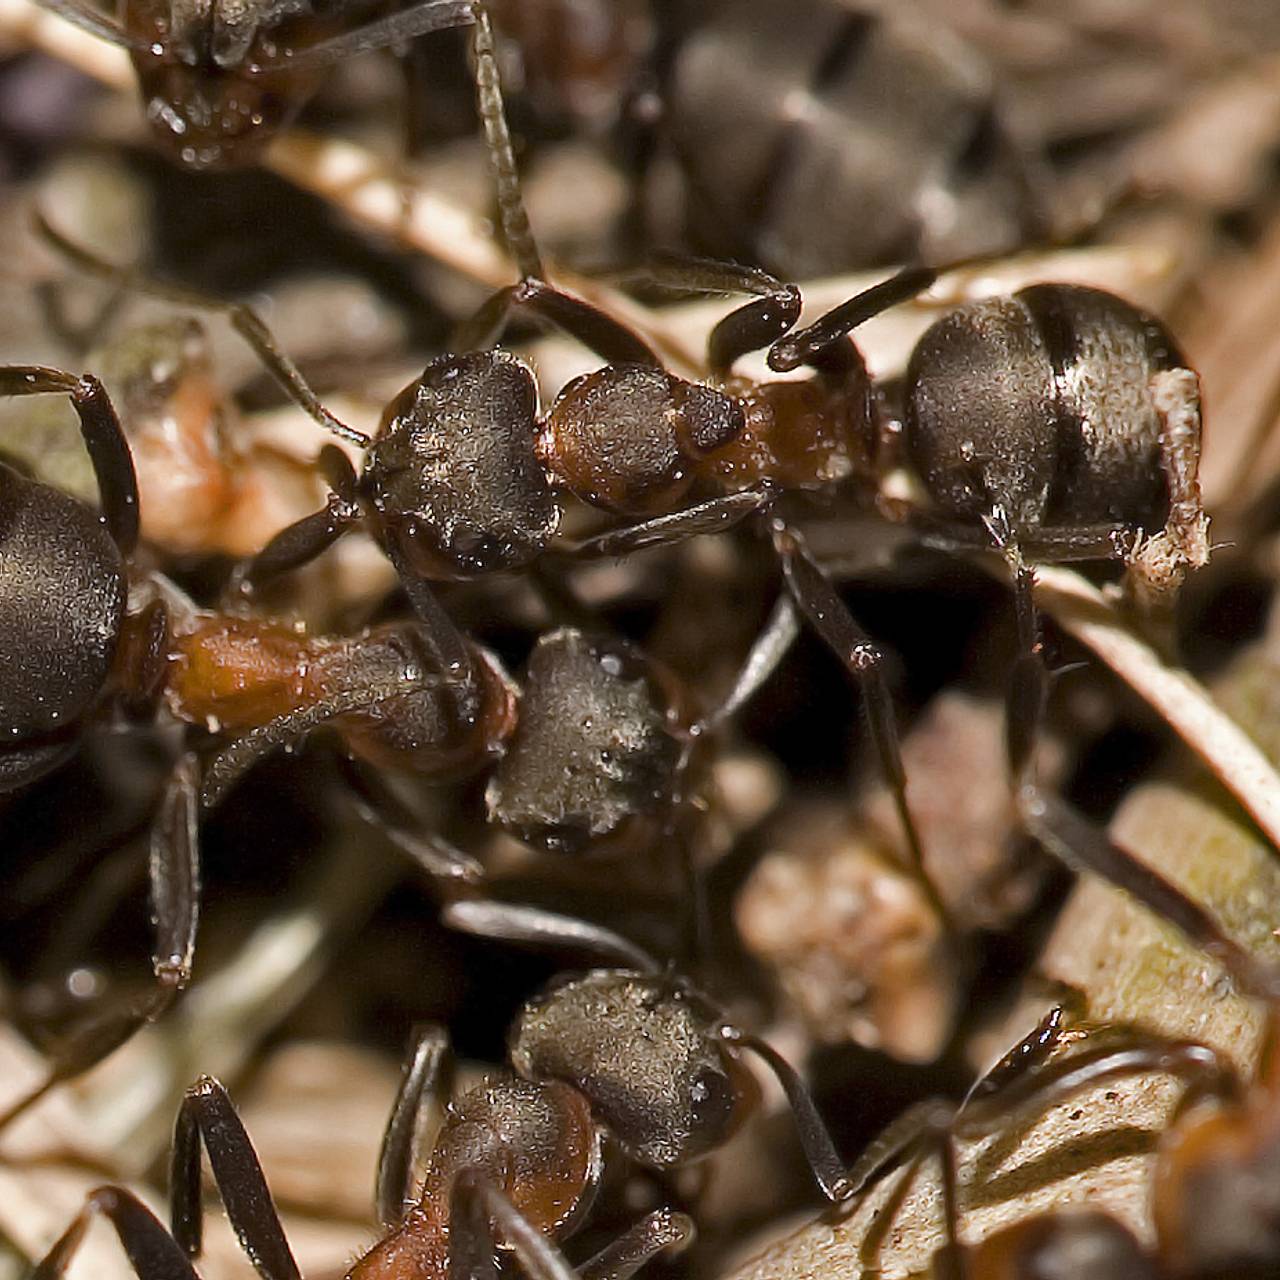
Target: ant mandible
x,y
219,81
514,1164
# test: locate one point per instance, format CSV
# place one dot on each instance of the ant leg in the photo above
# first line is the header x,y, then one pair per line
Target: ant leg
x,y
241,754
88,1046
175,894
449,648
419,19
1048,544
546,931
1079,844
714,515
103,438
379,806
301,542
599,332
243,318
1083,847
206,1113
813,345
831,619
482,1217
88,17
151,1250
1201,1067
497,136
658,1232
766,653
425,1079
175,875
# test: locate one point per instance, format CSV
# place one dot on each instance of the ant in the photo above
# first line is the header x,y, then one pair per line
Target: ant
x,y
220,81
81,639
625,1052
655,1057
515,1164
1215,1202
412,695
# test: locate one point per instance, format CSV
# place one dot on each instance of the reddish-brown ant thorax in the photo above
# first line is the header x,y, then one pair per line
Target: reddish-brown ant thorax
x,y
680,1099
628,437
799,435
537,1143
236,674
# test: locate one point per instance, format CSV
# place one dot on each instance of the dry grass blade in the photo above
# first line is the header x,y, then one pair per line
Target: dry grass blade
x,y
1181,701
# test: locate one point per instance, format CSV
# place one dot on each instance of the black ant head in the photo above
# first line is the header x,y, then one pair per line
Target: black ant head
x,y
215,83
538,1142
647,1054
593,747
1040,404
453,473
62,599
627,436
1069,1243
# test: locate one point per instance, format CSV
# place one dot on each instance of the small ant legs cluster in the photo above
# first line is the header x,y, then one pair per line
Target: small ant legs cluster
x,y
1058,424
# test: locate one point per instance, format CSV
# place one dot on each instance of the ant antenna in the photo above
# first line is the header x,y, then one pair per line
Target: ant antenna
x,y
493,117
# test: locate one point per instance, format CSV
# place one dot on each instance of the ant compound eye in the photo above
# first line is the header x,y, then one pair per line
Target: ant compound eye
x,y
712,1103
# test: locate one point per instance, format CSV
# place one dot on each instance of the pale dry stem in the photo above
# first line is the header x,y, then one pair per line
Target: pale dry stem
x,y
1181,701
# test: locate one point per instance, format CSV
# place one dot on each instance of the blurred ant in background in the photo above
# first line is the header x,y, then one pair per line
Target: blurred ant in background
x,y
777,120
220,81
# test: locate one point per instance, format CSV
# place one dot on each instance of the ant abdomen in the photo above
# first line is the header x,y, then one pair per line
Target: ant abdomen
x,y
453,472
1040,404
599,440
679,1100
62,601
594,749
